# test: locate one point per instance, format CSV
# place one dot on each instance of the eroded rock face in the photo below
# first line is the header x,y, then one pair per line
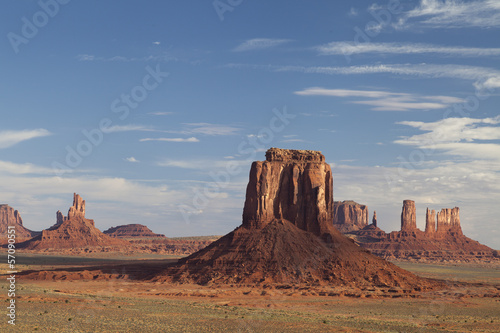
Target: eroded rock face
x,y
448,220
430,222
73,231
408,216
295,185
78,208
374,219
11,217
131,231
349,215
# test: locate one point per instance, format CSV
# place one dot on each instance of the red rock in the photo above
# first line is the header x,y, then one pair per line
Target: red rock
x,y
448,221
131,231
430,222
74,231
287,235
408,216
11,217
374,219
349,215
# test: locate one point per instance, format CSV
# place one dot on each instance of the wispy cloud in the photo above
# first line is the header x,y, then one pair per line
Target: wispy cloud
x,y
161,113
11,138
385,100
91,57
464,137
23,168
127,128
131,159
211,129
259,44
191,139
483,77
348,48
452,14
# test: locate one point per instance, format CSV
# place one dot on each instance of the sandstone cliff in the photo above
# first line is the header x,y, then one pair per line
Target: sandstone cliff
x,y
71,232
442,241
408,216
295,185
132,231
11,217
287,235
349,215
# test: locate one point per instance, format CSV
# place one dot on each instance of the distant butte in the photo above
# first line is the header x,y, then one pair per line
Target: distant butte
x,y
72,231
443,239
11,217
287,235
131,231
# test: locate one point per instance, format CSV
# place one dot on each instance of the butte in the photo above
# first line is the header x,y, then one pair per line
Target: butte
x,y
287,235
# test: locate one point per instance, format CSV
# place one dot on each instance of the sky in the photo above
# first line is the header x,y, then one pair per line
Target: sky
x,y
154,110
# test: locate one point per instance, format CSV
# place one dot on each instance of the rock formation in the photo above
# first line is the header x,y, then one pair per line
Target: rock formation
x,y
287,235
443,241
132,231
73,231
11,217
374,219
408,216
430,222
295,185
349,215
448,221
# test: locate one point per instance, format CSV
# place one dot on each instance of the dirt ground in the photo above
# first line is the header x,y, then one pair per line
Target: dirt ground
x,y
121,305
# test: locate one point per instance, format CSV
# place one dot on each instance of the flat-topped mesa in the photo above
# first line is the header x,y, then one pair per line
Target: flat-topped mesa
x,y
285,155
430,222
408,216
349,215
448,221
295,185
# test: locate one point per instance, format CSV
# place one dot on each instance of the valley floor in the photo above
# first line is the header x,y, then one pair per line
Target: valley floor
x,y
120,305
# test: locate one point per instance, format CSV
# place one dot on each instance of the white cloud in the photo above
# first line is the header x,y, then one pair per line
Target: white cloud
x,y
191,139
385,100
259,44
348,48
353,12
211,129
453,14
161,113
457,137
483,77
127,128
11,138
132,159
23,169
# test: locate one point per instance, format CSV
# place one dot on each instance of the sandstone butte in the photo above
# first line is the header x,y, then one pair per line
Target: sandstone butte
x,y
11,217
72,231
287,235
132,231
442,240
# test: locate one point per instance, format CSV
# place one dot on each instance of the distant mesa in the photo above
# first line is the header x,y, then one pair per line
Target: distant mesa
x,y
11,217
443,239
72,231
349,215
287,235
132,231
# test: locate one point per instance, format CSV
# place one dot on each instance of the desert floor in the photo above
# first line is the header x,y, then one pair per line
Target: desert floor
x,y
121,305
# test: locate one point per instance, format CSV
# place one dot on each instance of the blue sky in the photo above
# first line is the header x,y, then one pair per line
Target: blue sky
x,y
153,111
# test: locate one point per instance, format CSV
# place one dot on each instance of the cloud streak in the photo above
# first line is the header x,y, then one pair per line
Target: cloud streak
x,y
349,48
12,138
452,14
259,44
386,100
191,139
